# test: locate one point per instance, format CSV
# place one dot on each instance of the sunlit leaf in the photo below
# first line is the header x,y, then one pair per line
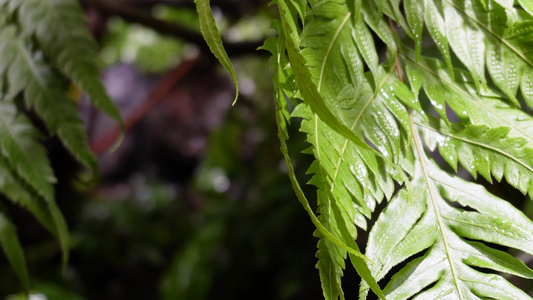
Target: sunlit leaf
x,y
211,35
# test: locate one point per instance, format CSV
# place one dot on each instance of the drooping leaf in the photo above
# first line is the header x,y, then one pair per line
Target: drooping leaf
x,y
308,88
332,49
212,37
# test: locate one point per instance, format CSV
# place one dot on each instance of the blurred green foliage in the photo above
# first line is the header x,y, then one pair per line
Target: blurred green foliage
x,y
148,50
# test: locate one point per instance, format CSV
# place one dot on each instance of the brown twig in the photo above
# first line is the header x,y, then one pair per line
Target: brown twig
x,y
162,89
397,63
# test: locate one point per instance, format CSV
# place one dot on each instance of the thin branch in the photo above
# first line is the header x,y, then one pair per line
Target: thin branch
x,y
171,29
397,63
157,94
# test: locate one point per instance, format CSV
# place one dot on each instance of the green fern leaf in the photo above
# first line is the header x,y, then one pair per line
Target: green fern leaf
x,y
414,10
491,42
329,41
467,41
308,88
44,45
29,161
434,17
355,176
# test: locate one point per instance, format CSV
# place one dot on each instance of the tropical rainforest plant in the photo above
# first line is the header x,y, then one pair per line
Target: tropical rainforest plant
x,y
379,86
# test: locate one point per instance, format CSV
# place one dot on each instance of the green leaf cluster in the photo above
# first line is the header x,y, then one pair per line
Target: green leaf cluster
x,y
46,50
381,85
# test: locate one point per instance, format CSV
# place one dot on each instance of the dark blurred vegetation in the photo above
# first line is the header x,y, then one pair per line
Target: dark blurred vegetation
x,y
196,203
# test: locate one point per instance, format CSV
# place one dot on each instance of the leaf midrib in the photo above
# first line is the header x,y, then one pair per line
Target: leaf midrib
x,y
374,95
504,153
322,68
468,95
420,155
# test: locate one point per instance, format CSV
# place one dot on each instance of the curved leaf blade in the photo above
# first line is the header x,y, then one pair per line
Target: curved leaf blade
x,y
211,35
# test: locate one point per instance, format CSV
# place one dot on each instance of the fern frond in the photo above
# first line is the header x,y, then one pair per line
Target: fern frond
x,y
27,158
355,176
449,224
449,220
18,192
331,257
77,60
484,37
43,46
19,146
46,93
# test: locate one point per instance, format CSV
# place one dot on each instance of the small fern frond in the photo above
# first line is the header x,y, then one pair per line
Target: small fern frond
x,y
76,60
44,45
352,174
46,93
479,149
460,94
18,192
20,147
332,256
